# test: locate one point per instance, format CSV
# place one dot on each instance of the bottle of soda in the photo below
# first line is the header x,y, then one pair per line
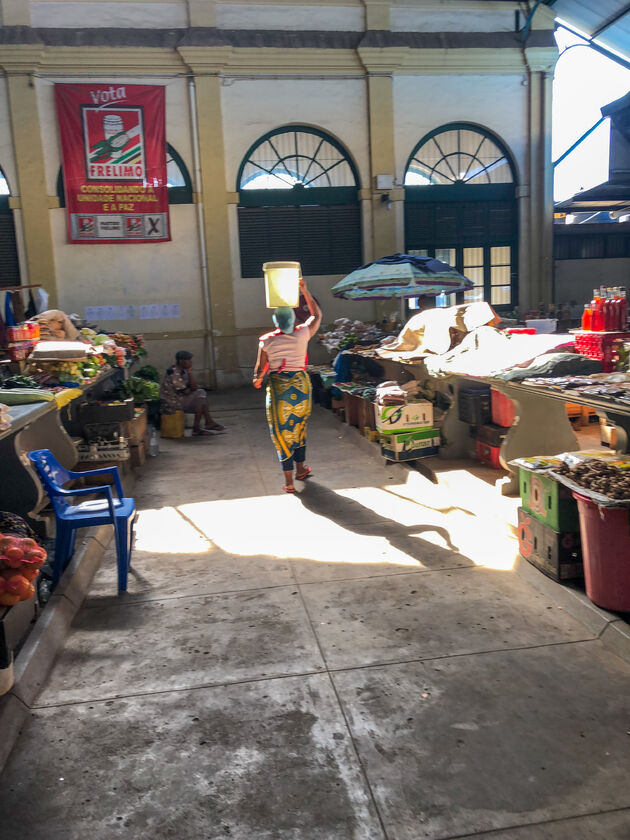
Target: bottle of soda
x,y
623,310
586,318
597,316
608,310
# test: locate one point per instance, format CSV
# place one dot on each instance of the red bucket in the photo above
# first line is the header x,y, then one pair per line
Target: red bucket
x,y
606,553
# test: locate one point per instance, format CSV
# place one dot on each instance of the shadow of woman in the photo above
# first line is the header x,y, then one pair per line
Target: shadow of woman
x,y
355,517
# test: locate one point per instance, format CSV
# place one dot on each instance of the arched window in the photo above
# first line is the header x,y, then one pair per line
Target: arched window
x,y
298,200
177,177
9,263
460,206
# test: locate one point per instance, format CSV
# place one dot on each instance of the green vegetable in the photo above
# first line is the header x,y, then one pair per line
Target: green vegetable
x,y
20,381
149,372
140,389
22,396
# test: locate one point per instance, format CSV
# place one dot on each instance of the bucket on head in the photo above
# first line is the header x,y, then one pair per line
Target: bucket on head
x,y
282,284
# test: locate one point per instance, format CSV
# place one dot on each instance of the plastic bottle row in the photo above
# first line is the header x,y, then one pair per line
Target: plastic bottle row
x,y
607,312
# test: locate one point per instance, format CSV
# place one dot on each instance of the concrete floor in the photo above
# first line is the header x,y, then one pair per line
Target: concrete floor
x,y
357,662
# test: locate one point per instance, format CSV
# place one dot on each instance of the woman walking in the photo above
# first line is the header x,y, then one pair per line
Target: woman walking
x,y
282,353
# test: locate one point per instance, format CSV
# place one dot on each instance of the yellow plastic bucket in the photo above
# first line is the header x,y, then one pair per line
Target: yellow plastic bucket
x,y
282,284
172,425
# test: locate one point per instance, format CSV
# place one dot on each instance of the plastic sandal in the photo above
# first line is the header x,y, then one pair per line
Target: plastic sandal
x,y
307,472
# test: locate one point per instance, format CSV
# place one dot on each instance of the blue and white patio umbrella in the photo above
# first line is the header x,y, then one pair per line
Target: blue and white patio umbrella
x,y
401,276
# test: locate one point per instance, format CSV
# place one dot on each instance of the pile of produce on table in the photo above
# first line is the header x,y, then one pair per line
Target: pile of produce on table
x,y
133,343
21,558
59,372
344,334
598,476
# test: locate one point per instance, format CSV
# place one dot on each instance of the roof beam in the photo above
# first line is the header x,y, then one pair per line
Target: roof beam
x,y
588,42
611,20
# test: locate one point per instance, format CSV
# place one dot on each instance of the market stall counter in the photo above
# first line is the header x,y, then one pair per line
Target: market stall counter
x,y
33,426
459,352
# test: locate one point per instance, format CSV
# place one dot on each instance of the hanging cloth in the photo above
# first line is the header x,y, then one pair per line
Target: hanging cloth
x,y
9,320
18,307
3,333
31,309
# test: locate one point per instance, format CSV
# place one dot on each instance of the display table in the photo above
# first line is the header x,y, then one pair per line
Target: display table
x,y
541,425
34,426
39,426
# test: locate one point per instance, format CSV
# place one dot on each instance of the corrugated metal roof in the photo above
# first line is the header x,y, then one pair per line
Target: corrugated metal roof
x,y
607,21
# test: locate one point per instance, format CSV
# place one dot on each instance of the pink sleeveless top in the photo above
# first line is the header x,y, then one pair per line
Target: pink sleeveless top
x,y
286,351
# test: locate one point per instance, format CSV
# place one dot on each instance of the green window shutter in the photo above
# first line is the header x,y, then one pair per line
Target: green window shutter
x,y
9,264
324,239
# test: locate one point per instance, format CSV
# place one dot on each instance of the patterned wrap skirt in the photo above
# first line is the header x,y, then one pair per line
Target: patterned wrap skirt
x,y
289,404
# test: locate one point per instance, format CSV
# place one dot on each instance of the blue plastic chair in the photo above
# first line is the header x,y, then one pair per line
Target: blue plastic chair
x,y
119,512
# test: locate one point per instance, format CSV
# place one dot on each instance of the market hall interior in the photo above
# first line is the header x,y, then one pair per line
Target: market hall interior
x,y
359,660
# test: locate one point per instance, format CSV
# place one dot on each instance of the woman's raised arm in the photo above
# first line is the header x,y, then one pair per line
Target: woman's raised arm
x,y
315,320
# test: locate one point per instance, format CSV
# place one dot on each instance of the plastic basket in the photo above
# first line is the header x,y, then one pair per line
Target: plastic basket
x,y
503,411
599,345
21,351
474,405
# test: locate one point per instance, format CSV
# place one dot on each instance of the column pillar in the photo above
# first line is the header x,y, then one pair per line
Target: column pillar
x,y
31,176
537,227
15,12
216,231
382,163
201,13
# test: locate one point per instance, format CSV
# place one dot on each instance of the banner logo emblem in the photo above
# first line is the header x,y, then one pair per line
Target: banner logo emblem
x,y
114,144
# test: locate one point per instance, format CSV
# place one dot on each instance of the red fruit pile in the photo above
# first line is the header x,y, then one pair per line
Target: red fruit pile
x,y
21,558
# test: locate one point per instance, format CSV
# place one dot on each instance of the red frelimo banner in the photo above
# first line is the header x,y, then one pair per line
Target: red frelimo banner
x,y
113,145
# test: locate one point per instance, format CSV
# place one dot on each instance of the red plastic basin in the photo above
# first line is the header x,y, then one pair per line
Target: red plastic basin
x,y
606,553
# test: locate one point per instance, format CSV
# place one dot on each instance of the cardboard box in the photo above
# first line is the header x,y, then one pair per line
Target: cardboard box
x,y
413,416
607,434
408,446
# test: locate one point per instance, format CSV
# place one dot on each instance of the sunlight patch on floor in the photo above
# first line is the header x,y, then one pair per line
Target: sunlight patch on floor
x,y
282,527
166,531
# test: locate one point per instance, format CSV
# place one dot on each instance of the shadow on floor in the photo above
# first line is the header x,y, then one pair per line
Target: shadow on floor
x,y
355,517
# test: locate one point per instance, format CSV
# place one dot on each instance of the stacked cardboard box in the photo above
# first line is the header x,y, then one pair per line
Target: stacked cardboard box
x,y
407,431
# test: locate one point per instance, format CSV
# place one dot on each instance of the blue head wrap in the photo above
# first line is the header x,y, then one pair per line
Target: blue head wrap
x,y
284,319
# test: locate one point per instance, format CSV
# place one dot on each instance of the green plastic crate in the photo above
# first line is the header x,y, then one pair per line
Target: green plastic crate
x,y
548,501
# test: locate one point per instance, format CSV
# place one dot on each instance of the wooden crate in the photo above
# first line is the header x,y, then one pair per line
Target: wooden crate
x,y
138,454
351,406
367,416
124,468
136,430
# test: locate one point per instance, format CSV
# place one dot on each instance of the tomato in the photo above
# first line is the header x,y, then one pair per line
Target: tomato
x,y
14,553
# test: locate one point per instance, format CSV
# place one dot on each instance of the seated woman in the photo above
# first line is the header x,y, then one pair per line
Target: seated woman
x,y
179,392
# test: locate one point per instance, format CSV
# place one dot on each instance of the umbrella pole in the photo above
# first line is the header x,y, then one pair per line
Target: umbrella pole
x,y
403,316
